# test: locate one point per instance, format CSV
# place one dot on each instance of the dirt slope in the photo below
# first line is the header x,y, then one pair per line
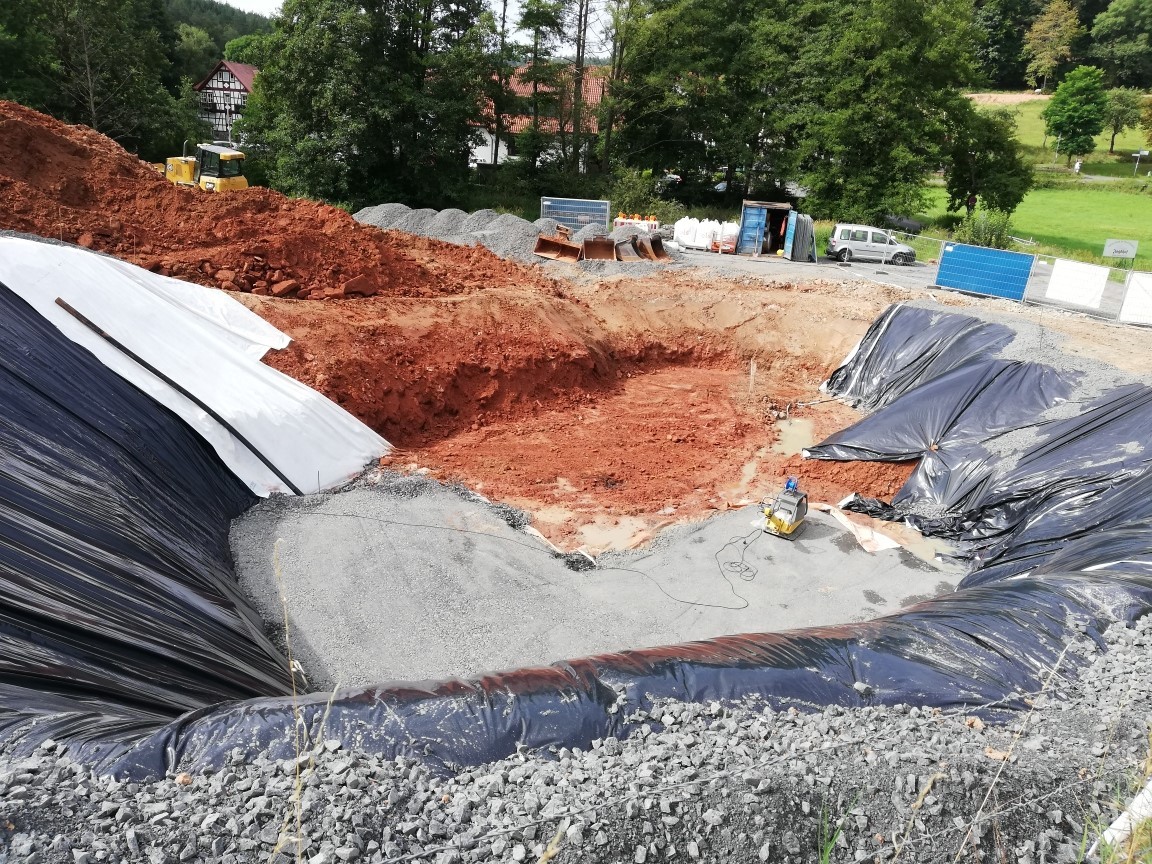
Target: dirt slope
x,y
74,184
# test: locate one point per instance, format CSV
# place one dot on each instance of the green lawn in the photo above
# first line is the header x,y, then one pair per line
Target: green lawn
x,y
1074,221
1030,131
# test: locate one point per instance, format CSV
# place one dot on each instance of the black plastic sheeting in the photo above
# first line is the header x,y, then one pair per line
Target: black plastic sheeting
x,y
118,606
907,346
946,422
123,635
1075,493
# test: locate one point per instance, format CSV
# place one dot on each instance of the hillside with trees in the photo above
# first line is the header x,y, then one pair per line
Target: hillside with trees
x,y
855,106
122,67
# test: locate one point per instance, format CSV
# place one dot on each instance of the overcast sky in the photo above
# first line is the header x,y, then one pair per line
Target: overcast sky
x,y
264,7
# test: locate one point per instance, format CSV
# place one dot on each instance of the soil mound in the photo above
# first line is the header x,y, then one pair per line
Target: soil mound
x,y
74,184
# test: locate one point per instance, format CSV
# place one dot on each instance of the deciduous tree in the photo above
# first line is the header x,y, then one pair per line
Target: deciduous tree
x,y
1002,25
1049,40
1122,42
884,82
247,49
1077,111
1124,107
196,53
986,159
363,102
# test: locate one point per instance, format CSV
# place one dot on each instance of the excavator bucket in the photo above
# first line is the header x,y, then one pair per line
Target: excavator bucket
x,y
625,251
558,249
644,247
599,249
658,248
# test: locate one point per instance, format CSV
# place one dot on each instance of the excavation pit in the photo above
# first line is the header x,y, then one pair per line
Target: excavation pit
x,y
638,420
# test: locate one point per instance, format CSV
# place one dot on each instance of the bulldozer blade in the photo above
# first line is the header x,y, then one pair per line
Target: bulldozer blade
x,y
658,249
557,249
599,249
625,251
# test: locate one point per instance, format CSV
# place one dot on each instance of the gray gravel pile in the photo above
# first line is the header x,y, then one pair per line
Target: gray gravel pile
x,y
588,232
413,221
511,237
383,216
695,783
446,225
504,234
477,220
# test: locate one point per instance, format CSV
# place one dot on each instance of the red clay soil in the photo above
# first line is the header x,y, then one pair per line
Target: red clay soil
x,y
620,404
75,184
591,407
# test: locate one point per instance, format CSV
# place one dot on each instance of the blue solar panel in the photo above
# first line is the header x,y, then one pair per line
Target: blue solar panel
x,y
577,212
984,271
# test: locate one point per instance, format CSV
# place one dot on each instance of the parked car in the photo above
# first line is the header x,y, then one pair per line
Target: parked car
x,y
849,241
903,223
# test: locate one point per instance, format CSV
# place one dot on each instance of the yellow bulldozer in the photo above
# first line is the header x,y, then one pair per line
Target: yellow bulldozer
x,y
216,167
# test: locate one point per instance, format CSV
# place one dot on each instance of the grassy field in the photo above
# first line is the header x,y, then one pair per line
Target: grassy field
x,y
1030,131
1073,221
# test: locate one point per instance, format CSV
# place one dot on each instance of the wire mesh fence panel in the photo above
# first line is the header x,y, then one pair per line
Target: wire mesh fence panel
x,y
979,270
1076,285
576,213
1137,305
927,249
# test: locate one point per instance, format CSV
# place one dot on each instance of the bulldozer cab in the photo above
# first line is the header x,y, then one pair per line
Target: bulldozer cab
x,y
214,168
219,168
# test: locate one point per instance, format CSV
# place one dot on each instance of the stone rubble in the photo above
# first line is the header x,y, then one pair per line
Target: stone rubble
x,y
698,782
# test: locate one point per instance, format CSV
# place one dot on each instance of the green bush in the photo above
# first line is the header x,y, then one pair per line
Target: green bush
x,y
991,228
634,191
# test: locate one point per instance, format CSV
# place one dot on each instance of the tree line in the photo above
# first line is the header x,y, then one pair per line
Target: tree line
x,y
364,101
122,67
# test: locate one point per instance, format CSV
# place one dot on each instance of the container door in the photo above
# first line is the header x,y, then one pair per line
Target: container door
x,y
752,224
790,234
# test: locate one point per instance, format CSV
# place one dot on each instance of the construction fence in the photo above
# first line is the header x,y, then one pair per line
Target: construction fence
x,y
1114,293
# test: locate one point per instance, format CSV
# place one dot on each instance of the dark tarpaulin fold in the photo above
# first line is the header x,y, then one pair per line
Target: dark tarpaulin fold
x,y
117,598
945,423
907,346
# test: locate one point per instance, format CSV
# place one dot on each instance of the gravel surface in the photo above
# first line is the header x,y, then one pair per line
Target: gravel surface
x,y
697,782
402,578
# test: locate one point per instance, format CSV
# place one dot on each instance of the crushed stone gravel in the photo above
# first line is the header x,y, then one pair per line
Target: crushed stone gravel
x,y
709,783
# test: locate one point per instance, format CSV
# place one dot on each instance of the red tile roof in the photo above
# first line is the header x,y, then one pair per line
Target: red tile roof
x,y
595,82
242,72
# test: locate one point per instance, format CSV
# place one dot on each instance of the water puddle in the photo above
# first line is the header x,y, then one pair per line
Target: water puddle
x,y
793,435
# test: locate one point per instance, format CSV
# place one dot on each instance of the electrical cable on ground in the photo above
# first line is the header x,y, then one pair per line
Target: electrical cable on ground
x,y
745,571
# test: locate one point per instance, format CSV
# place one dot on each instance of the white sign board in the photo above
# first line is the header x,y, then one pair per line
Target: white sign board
x,y
1137,308
1077,283
1120,248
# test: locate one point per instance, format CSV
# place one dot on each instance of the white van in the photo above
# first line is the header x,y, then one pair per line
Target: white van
x,y
865,242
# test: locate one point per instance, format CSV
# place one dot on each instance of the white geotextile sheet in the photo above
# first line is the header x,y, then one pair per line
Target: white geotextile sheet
x,y
209,344
1137,308
1077,282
